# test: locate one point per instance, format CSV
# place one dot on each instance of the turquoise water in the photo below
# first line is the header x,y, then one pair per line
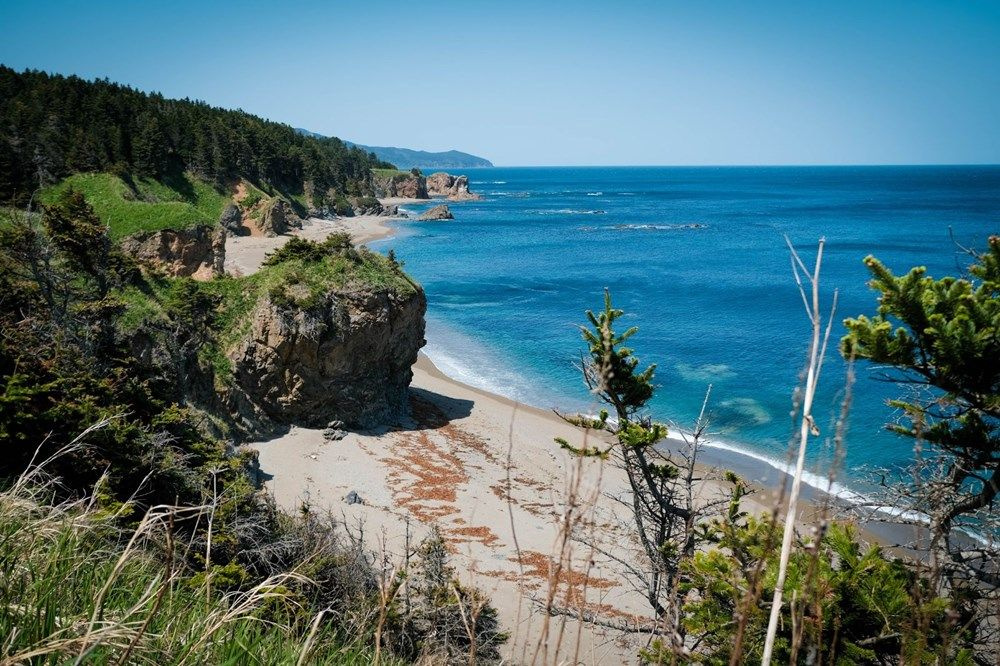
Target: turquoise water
x,y
696,257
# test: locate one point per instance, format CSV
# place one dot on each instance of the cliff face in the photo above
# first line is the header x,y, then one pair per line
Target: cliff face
x,y
405,185
198,252
345,358
456,188
275,217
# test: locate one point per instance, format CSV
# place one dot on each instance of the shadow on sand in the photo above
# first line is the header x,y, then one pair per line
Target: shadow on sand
x,y
430,411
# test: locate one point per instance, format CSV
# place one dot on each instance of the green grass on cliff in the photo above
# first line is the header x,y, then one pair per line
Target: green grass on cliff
x,y
146,205
391,173
298,282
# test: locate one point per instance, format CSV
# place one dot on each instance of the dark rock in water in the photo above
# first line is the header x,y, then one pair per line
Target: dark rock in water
x,y
353,498
346,358
232,221
437,213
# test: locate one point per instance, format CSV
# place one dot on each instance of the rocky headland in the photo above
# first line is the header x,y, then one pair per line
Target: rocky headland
x,y
455,188
412,185
392,184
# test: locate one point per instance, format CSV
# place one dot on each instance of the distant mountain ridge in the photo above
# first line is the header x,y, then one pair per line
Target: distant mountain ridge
x,y
405,158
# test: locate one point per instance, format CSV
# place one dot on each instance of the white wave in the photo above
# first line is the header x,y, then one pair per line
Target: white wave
x,y
482,369
659,227
822,483
594,194
569,211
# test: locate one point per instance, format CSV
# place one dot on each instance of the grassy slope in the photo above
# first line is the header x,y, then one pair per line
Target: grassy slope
x,y
238,297
391,173
177,203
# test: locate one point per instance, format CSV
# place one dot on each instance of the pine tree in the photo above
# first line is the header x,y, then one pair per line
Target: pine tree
x,y
943,334
150,148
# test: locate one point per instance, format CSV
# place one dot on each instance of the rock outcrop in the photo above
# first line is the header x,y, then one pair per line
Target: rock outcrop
x,y
346,357
366,206
198,252
276,218
232,221
402,185
441,212
456,188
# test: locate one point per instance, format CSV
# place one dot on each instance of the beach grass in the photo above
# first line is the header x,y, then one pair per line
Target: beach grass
x,y
76,585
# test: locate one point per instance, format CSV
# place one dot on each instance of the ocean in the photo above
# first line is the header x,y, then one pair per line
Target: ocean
x,y
697,259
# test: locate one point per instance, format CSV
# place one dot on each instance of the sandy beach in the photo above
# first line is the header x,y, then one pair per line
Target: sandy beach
x,y
245,254
487,473
482,469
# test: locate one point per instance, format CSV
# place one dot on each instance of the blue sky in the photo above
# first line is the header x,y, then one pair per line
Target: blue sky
x,y
526,83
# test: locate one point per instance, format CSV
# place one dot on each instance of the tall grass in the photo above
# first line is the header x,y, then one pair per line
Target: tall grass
x,y
75,587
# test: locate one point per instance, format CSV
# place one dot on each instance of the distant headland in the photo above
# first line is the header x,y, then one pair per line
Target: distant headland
x,y
405,158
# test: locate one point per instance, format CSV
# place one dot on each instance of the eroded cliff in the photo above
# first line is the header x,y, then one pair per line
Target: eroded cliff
x,y
329,333
198,252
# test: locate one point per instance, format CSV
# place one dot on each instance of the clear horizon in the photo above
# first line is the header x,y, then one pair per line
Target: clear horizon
x,y
636,84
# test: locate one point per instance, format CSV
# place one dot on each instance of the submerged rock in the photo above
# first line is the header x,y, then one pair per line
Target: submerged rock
x,y
441,212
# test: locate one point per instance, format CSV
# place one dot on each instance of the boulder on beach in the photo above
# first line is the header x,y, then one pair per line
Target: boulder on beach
x,y
441,212
332,358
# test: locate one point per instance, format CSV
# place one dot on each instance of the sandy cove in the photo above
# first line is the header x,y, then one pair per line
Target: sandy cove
x,y
487,472
245,254
454,463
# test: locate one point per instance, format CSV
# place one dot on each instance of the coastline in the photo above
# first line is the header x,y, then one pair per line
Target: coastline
x,y
764,473
486,472
245,254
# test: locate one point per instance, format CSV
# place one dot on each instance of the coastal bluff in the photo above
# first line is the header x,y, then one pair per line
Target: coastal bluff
x,y
455,188
346,358
392,183
198,252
